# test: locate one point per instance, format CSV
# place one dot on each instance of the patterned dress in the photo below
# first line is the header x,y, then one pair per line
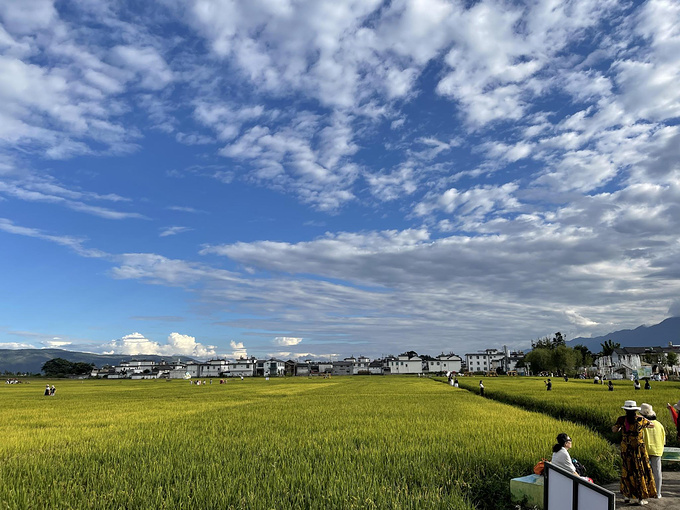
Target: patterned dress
x,y
637,480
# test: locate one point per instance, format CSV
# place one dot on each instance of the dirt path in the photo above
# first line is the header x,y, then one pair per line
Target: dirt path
x,y
670,490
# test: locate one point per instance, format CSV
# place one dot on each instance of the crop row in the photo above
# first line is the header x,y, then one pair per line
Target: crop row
x,y
578,400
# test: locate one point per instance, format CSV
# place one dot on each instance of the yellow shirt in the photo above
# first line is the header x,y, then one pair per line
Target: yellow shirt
x,y
655,439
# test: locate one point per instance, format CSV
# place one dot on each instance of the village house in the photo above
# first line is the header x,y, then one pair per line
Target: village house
x,y
445,363
404,365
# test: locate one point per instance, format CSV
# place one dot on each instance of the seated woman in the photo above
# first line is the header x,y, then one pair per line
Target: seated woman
x,y
560,456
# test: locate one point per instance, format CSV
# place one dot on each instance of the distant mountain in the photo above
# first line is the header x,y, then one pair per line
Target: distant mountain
x,y
32,360
643,336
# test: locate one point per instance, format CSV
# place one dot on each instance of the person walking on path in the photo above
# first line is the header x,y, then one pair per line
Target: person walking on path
x,y
481,388
655,439
637,480
674,409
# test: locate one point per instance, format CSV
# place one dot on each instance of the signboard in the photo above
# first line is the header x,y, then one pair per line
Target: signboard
x,y
565,491
642,372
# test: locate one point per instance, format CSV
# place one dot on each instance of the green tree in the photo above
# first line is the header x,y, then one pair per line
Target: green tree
x,y
608,347
60,367
539,360
57,367
586,356
672,359
565,359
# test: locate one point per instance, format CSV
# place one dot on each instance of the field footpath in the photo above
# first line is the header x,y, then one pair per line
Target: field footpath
x,y
670,490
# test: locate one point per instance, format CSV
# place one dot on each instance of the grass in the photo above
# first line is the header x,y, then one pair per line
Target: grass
x,y
350,442
580,401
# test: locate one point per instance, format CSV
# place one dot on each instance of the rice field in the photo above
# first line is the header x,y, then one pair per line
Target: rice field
x,y
346,442
579,400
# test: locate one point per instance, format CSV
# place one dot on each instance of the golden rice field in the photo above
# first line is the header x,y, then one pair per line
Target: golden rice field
x,y
579,400
346,442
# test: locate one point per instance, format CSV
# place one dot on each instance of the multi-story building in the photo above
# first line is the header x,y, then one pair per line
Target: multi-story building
x,y
445,363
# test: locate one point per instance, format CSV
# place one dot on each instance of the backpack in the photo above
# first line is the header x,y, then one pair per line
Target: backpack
x,y
580,468
540,467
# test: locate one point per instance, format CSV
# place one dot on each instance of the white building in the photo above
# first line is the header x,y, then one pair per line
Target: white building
x,y
404,365
486,361
242,367
360,365
445,363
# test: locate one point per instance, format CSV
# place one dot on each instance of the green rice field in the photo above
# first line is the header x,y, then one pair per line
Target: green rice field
x,y
345,442
579,400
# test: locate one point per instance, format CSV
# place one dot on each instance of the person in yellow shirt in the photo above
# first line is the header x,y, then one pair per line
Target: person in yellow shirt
x,y
655,439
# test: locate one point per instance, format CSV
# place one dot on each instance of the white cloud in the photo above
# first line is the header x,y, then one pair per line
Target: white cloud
x,y
188,346
146,63
239,350
56,343
287,340
15,345
171,231
136,344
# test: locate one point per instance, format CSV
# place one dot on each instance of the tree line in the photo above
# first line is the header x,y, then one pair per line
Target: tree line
x,y
60,367
551,354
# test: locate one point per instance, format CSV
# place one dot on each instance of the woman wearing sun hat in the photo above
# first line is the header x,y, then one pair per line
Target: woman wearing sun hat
x,y
637,480
655,439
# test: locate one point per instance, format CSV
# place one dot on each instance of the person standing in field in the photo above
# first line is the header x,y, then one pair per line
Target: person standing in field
x,y
647,385
548,385
53,390
47,390
674,414
455,382
655,439
611,386
637,479
481,388
636,384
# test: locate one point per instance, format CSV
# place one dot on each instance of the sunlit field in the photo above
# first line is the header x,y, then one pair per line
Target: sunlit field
x,y
579,400
346,442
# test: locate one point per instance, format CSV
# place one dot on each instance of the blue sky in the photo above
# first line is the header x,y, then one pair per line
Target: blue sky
x,y
333,178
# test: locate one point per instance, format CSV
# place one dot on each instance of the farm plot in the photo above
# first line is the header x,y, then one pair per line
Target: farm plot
x,y
579,400
353,442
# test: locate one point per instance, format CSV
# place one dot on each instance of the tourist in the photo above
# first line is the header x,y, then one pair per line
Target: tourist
x,y
655,439
637,479
560,456
611,386
674,414
548,385
481,388
636,384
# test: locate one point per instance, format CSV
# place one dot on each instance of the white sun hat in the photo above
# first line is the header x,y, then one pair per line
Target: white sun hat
x,y
630,405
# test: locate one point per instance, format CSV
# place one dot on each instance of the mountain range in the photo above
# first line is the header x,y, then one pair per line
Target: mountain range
x,y
658,335
31,360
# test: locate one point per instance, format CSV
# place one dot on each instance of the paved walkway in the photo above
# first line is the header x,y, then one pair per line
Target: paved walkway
x,y
670,490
